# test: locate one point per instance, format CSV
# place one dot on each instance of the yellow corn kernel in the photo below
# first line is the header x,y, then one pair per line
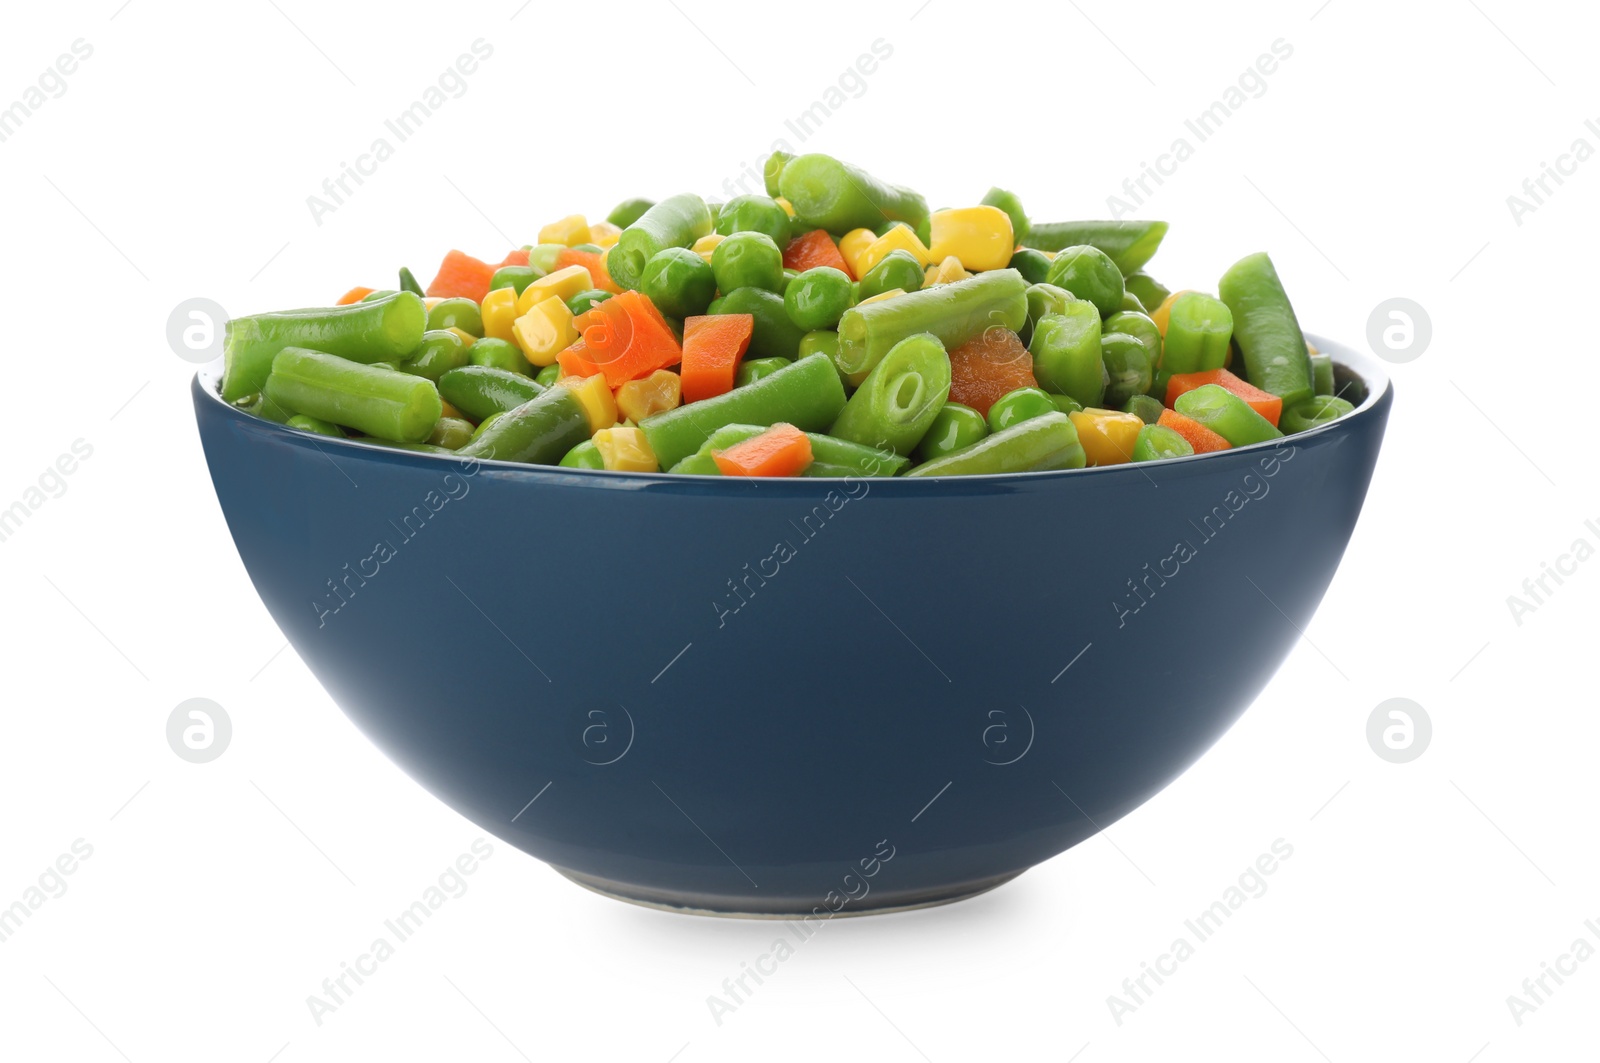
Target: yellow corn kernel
x,y
499,311
881,296
571,231
467,339
788,208
564,283
656,393
625,450
545,331
447,410
604,234
1311,348
431,301
1107,435
946,272
592,393
707,244
898,238
980,237
852,244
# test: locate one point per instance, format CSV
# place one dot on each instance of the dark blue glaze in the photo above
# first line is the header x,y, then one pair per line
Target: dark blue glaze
x,y
517,643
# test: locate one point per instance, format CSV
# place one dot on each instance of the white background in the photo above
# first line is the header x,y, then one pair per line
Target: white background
x,y
1376,163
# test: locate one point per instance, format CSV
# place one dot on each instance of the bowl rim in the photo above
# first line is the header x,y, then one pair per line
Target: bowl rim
x,y
1379,387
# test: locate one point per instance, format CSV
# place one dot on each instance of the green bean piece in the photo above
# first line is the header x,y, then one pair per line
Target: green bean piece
x,y
760,214
698,464
954,428
379,295
593,249
1089,273
816,299
806,394
754,369
384,329
389,444
898,269
1265,329
1033,265
747,260
772,171
486,422
1150,292
451,433
457,312
824,341
676,221
1130,302
954,313
439,352
679,282
1065,403
390,366
1129,371
1066,353
832,195
1309,413
1322,373
1129,243
837,457
774,335
897,402
1008,202
500,354
408,283
586,300
547,376
1144,407
517,277
629,211
539,432
1016,406
583,456
544,256
1043,298
315,425
481,391
1157,441
1198,330
1226,414
377,402
1039,443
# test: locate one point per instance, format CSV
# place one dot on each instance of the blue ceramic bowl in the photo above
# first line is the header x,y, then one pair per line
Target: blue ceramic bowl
x,y
792,696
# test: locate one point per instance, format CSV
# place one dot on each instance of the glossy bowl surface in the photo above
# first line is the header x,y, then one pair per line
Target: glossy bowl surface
x,y
792,697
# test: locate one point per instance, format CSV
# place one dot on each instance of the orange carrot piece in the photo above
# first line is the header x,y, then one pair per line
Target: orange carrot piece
x,y
713,346
462,275
987,367
813,249
594,262
354,295
1265,403
519,257
626,338
574,361
1201,438
782,450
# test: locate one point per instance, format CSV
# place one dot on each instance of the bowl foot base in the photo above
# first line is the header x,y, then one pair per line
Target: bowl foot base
x,y
702,904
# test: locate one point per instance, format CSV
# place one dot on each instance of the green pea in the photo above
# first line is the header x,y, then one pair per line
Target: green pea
x,y
823,341
1128,367
954,428
437,354
457,312
1088,273
501,354
774,335
817,298
679,282
518,277
1138,325
1157,441
1017,406
1131,302
629,211
1033,265
316,425
585,301
543,256
759,214
747,260
1065,403
1008,202
451,433
486,422
897,269
583,456
753,370
1309,413
1150,292
1145,408
547,376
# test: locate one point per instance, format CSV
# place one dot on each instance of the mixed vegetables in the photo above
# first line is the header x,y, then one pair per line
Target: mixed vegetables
x,y
833,327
